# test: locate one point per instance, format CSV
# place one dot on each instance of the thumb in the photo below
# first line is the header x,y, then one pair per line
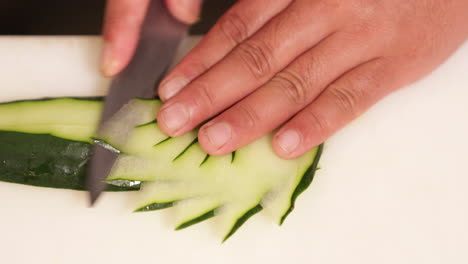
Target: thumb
x,y
187,11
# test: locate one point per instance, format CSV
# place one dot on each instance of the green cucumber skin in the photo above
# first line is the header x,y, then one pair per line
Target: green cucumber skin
x,y
45,161
147,124
204,160
251,212
233,156
197,220
195,141
305,182
155,207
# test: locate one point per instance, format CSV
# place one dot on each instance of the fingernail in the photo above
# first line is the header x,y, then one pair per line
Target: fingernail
x,y
175,117
289,140
219,134
109,64
172,87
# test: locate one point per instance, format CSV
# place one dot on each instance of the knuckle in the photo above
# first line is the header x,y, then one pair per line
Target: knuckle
x,y
292,86
316,125
256,57
205,97
233,27
346,97
250,118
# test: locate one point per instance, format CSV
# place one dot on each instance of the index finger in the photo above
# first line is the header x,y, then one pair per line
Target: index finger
x,y
122,23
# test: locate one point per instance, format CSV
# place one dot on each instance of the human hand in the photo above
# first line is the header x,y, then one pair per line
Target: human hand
x,y
122,27
312,65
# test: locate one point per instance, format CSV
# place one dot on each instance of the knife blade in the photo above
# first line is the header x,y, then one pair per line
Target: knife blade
x,y
160,37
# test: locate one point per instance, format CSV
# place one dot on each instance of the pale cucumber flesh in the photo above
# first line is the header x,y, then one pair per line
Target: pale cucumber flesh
x,y
176,171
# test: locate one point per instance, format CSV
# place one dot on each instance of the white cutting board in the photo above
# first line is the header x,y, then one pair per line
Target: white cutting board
x,y
393,187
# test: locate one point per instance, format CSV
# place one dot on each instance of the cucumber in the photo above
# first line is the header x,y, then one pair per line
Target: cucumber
x,y
45,161
68,118
134,113
175,172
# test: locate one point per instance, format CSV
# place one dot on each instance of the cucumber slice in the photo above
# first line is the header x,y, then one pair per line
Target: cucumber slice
x,y
143,139
239,221
175,172
67,118
150,162
117,129
233,189
195,210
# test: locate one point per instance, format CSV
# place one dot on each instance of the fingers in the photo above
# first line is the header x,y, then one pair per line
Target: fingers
x,y
239,23
339,104
284,95
247,67
122,25
187,11
121,30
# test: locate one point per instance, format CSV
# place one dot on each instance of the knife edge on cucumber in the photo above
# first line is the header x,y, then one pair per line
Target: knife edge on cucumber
x,y
47,143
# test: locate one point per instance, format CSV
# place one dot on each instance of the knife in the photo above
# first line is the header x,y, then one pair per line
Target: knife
x,y
160,37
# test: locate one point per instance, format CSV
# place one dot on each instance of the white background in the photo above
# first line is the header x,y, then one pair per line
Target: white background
x,y
393,187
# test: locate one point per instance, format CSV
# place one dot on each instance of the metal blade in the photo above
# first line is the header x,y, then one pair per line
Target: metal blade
x,y
159,39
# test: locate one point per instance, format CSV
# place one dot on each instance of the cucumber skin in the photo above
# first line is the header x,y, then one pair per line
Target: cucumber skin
x,y
154,207
305,182
197,220
251,212
45,161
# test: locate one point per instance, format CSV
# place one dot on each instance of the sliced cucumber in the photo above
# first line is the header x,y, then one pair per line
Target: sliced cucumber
x,y
67,118
143,139
151,161
45,161
195,210
136,112
233,189
176,171
236,217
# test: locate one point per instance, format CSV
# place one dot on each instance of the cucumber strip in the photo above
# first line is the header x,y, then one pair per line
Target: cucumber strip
x,y
155,162
67,118
185,150
195,210
173,147
118,128
155,206
204,160
191,157
251,212
146,124
168,191
168,138
197,220
143,139
304,183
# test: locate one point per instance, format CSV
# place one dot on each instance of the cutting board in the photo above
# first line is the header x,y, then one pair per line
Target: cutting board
x,y
393,185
